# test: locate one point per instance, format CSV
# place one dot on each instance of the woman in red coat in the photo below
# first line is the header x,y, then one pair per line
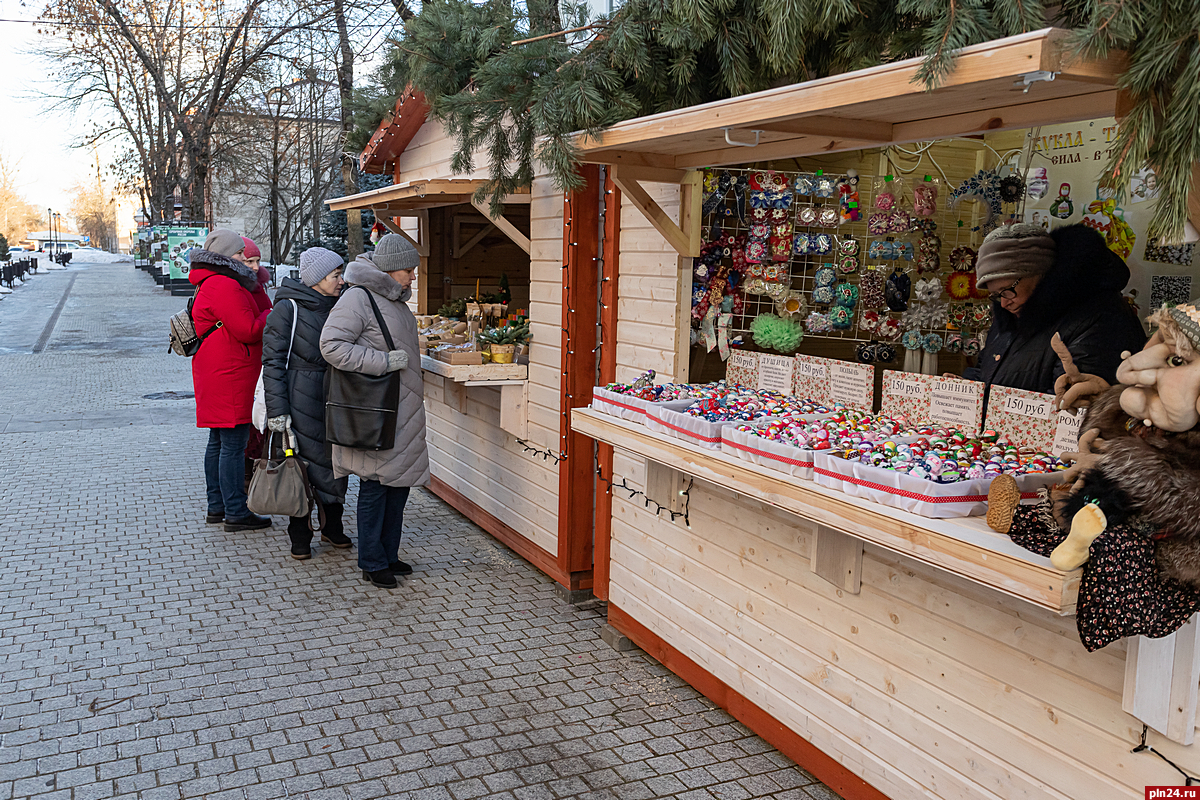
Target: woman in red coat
x,y
225,371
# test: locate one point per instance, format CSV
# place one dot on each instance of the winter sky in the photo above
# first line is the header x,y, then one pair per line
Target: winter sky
x,y
35,135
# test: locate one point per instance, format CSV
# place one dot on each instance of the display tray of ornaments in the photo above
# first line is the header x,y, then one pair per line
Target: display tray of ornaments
x,y
931,470
940,476
790,445
632,401
701,422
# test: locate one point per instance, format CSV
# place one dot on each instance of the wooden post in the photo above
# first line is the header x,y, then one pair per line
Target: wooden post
x,y
1161,680
580,282
608,374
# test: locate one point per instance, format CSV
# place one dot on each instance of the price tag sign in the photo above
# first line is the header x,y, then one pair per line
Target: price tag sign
x,y
957,403
775,373
809,369
905,388
1038,406
1066,433
1027,419
742,368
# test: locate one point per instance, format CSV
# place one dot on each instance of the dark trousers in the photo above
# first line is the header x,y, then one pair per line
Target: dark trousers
x,y
298,526
225,471
380,523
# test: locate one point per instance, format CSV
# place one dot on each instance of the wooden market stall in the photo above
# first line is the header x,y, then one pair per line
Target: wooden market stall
x,y
889,654
495,431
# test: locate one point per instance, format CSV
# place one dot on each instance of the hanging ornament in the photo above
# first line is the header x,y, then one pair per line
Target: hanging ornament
x,y
1011,188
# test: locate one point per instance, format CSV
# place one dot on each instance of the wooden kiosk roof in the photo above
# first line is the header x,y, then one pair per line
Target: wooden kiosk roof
x,y
416,196
1019,82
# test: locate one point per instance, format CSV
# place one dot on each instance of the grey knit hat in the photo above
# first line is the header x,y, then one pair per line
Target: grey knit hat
x,y
316,263
1014,251
395,252
224,242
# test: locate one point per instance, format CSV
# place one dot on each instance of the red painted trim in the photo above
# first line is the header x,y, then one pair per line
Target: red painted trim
x,y
394,133
581,286
542,559
608,374
783,738
685,432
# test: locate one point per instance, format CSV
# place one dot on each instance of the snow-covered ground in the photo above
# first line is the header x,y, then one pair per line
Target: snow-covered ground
x,y
90,255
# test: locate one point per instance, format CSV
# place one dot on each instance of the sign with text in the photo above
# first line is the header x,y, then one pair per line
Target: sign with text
x,y
775,373
180,242
932,398
1027,419
828,380
742,368
958,403
1066,433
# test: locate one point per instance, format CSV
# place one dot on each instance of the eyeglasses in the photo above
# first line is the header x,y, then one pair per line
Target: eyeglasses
x,y
1007,293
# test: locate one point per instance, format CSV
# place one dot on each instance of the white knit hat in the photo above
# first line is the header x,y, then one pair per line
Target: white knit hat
x,y
316,263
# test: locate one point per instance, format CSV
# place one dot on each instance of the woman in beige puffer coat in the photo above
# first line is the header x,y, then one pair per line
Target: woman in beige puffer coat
x,y
352,341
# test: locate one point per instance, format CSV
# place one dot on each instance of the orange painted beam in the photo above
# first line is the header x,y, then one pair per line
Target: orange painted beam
x,y
394,133
580,286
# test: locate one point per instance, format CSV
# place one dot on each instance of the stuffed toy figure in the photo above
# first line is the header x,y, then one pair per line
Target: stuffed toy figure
x,y
1144,435
1135,497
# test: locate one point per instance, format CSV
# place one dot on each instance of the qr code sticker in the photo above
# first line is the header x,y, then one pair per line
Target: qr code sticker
x,y
1173,289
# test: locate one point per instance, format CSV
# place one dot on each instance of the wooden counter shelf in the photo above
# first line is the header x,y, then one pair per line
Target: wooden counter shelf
x,y
965,547
476,374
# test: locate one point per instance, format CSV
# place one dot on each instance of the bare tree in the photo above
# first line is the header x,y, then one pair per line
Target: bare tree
x,y
194,59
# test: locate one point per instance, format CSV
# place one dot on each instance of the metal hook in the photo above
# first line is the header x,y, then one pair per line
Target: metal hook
x,y
756,133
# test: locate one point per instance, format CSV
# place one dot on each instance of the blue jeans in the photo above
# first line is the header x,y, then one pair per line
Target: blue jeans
x,y
225,471
380,523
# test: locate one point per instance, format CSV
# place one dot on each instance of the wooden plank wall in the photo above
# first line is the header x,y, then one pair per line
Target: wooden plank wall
x,y
468,450
648,300
923,684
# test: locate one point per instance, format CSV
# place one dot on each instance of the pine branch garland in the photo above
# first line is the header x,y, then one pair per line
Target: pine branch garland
x,y
512,105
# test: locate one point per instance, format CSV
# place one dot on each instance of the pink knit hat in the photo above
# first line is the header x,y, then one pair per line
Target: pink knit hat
x,y
251,250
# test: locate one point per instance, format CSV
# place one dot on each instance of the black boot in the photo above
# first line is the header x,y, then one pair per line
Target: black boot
x,y
301,537
334,532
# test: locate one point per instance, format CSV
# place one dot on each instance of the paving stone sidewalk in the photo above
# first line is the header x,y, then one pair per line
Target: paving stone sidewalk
x,y
144,654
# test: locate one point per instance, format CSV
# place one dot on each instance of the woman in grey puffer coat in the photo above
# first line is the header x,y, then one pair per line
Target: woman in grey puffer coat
x,y
295,387
352,341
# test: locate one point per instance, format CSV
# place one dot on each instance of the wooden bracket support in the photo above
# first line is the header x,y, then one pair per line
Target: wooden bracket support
x,y
665,486
461,249
422,240
506,227
1161,681
514,409
684,237
837,558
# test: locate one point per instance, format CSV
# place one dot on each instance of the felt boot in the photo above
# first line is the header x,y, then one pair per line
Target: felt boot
x,y
301,537
1088,523
334,532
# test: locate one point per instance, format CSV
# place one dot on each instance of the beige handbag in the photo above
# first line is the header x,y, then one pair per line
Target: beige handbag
x,y
280,487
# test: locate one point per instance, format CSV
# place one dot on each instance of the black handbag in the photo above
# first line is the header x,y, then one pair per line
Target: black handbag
x,y
360,410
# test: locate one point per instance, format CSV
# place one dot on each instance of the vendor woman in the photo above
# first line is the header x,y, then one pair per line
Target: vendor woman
x,y
1065,281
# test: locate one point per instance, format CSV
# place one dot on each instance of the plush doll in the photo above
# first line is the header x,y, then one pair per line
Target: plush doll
x,y
1144,464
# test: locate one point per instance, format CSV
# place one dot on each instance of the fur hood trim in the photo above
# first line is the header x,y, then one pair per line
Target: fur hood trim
x,y
218,264
363,272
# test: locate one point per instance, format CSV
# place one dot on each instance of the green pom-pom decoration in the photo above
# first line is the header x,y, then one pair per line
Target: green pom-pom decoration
x,y
775,333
